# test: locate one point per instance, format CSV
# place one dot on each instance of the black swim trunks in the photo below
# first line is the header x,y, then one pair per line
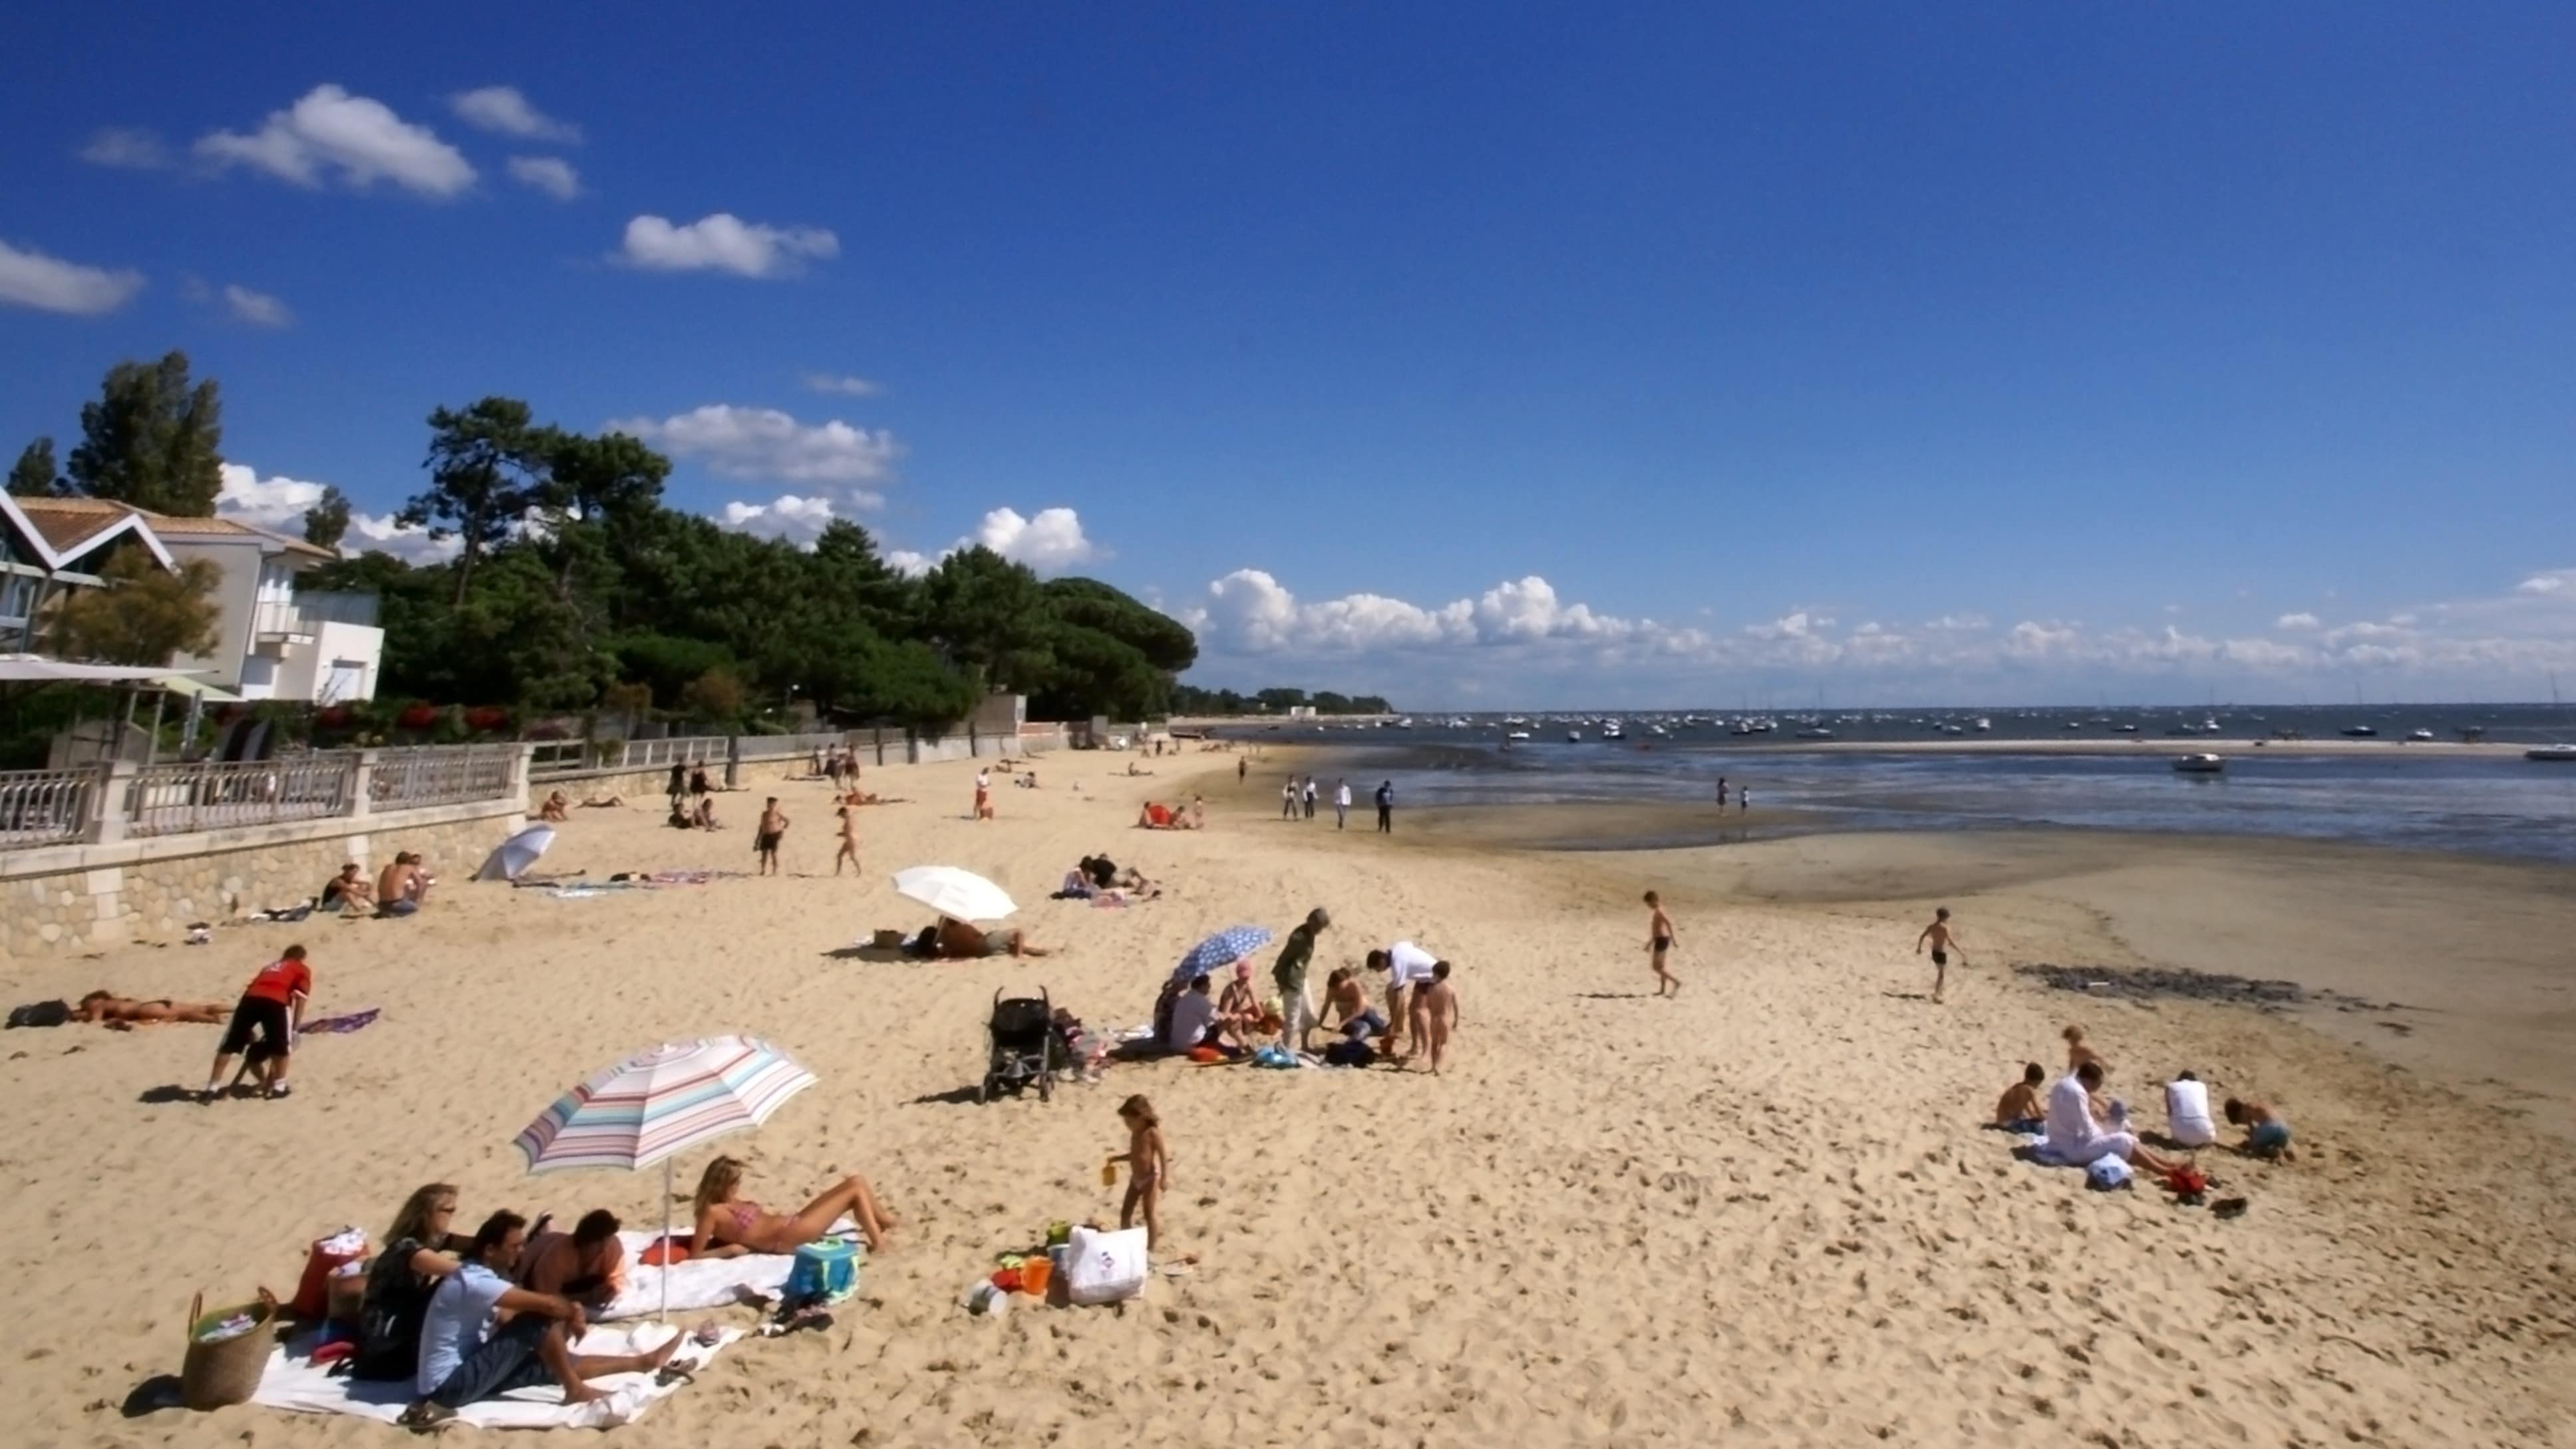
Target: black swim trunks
x,y
1940,958
765,843
1663,943
256,1015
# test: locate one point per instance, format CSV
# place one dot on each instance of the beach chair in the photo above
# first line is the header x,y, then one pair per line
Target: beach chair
x,y
1024,1049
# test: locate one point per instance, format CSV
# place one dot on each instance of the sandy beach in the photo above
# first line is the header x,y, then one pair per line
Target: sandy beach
x,y
1761,1214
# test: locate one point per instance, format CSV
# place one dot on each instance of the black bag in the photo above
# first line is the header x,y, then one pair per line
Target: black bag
x,y
41,1013
1349,1052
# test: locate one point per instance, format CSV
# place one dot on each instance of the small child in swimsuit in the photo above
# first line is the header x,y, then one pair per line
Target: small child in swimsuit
x,y
1435,1011
1659,940
2020,1109
2267,1133
1937,936
1149,1166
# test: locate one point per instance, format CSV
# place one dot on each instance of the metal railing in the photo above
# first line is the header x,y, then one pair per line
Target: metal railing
x,y
278,617
789,747
183,799
46,807
412,778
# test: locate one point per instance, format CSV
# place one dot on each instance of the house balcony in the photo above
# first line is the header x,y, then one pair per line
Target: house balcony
x,y
279,623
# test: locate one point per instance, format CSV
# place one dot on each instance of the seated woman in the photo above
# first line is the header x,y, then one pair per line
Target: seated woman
x,y
419,1253
121,1013
1155,816
1238,1010
556,807
730,1225
957,941
348,891
705,818
680,817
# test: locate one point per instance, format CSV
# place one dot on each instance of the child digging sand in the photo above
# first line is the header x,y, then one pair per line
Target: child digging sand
x,y
1149,1165
2020,1109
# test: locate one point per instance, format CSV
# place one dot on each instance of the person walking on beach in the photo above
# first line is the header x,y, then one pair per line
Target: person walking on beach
x,y
1342,804
1721,792
1435,1014
983,794
1242,767
764,840
1289,975
1386,807
1288,799
1937,936
1659,941
1310,797
698,782
272,1009
679,784
1743,800
849,844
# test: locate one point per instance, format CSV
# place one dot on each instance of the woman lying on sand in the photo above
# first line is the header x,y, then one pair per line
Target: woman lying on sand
x,y
730,1226
953,940
124,1013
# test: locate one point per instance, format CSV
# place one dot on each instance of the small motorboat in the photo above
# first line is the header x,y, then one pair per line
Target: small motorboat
x,y
2360,732
2420,736
2553,754
1984,725
2200,764
1815,734
1517,735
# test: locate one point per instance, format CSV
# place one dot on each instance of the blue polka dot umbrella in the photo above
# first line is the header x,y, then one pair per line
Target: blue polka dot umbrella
x,y
1220,951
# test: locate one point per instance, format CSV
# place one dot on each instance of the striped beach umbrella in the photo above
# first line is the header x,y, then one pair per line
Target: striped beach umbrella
x,y
657,1104
1220,951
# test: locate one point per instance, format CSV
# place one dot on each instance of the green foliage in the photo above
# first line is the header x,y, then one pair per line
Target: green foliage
x,y
486,470
666,665
152,439
1187,699
714,697
144,615
327,522
33,475
989,616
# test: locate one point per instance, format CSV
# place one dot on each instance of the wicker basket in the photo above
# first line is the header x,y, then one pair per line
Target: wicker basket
x,y
226,1371
890,940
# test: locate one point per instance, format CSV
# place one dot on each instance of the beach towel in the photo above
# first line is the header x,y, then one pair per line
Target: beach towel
x,y
342,1025
698,1282
295,1383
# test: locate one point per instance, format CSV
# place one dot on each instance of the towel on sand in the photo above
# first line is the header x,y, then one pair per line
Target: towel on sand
x,y
293,1382
699,1282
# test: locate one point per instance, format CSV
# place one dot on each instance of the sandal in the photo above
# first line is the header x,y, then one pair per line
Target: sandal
x,y
2228,1207
424,1416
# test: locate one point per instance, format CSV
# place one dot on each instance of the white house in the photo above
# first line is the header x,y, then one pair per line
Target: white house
x,y
272,641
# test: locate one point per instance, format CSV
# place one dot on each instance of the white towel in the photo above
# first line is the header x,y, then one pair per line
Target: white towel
x,y
293,1382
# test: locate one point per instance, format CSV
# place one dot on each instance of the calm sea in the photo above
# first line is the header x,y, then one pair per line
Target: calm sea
x,y
2409,795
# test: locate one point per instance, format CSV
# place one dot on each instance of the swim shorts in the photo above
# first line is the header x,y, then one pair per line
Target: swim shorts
x,y
1940,958
764,843
259,1016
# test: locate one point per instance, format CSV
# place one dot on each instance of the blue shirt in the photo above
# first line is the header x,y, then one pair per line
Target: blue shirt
x,y
459,1319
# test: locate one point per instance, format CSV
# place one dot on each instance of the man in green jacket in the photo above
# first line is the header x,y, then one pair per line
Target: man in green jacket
x,y
1290,976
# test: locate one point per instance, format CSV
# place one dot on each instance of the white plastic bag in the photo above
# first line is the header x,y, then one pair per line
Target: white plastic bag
x,y
1104,1267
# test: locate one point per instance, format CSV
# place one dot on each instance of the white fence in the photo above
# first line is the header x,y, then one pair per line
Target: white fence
x,y
119,801
184,799
46,807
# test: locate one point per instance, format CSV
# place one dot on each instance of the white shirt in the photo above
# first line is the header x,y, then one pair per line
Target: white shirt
x,y
1192,1015
1342,797
2070,1119
2187,1114
983,780
1407,964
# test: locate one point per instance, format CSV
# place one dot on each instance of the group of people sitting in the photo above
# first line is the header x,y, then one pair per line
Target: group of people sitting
x,y
400,889
1158,816
1420,1015
699,816
474,1317
2080,1125
1097,877
837,765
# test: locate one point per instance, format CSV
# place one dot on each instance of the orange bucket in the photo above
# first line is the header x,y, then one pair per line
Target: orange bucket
x,y
1034,1275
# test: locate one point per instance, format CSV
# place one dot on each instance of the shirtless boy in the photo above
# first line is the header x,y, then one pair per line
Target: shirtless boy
x,y
2267,1133
1435,1013
1937,936
849,842
2020,1106
764,841
1659,940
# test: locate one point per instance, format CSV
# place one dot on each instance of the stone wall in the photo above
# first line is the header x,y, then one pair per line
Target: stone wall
x,y
60,902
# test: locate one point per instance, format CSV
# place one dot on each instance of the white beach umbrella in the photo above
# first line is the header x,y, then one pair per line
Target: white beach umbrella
x,y
657,1104
957,894
511,859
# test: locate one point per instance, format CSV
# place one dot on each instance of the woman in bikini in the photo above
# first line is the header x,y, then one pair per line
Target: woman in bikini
x,y
121,1012
730,1226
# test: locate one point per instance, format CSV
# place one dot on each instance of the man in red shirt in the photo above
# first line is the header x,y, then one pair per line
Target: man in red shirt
x,y
271,1008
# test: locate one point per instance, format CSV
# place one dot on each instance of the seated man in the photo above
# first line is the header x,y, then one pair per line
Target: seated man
x,y
954,940
121,1013
1346,998
483,1337
2075,1140
556,807
348,891
586,1265
394,887
1194,1018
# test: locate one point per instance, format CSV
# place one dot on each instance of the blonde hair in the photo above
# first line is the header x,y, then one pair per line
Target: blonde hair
x,y
1136,1108
716,1184
2073,1033
413,1221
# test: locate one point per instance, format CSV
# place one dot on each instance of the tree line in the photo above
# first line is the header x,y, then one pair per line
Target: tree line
x,y
1188,699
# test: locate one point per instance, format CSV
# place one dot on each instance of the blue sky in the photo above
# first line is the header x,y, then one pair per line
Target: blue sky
x,y
1649,355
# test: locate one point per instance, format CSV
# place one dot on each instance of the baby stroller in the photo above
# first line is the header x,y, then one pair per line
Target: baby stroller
x,y
1024,1047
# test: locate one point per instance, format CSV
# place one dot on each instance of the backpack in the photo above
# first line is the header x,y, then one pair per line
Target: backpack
x,y
41,1013
1349,1052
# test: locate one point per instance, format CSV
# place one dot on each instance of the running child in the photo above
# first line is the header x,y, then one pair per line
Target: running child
x,y
1937,936
1149,1166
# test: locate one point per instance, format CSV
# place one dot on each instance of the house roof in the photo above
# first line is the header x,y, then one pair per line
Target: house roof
x,y
60,530
73,525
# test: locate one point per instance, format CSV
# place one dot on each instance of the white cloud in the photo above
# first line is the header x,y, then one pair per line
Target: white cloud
x,y
1049,543
257,308
32,279
797,519
126,147
2557,582
503,111
2296,621
278,505
361,141
911,565
841,383
764,443
723,242
1250,612
554,177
